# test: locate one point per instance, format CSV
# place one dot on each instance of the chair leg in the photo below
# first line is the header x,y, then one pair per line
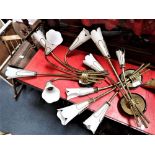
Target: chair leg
x,y
17,88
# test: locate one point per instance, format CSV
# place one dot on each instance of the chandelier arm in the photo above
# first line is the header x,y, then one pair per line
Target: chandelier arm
x,y
141,68
106,87
132,108
71,79
122,85
97,78
116,84
56,58
59,68
61,75
66,62
139,73
128,90
131,105
103,94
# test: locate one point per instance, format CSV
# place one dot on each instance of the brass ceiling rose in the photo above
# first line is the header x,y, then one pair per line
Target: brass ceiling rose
x,y
138,99
135,81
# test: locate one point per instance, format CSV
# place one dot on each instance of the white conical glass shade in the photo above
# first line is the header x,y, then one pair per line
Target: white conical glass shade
x,y
39,37
50,93
75,92
68,113
96,118
12,72
91,62
121,57
96,36
53,39
80,39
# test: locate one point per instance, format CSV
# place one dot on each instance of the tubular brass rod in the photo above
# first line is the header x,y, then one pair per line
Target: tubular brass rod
x,y
128,96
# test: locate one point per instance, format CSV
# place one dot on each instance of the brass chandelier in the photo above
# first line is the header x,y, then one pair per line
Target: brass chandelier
x,y
132,104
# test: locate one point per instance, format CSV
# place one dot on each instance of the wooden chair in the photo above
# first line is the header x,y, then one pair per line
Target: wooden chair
x,y
15,49
9,45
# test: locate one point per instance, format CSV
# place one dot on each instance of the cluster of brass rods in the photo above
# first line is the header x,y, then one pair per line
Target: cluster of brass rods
x,y
97,89
92,76
73,69
57,74
66,65
58,67
86,75
133,76
120,81
94,99
64,78
142,67
114,83
135,110
131,106
140,71
66,62
116,74
127,80
128,96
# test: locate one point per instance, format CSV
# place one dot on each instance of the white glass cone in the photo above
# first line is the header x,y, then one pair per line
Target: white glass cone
x,y
80,39
121,57
53,39
96,36
50,93
68,113
39,37
75,92
96,118
12,72
92,63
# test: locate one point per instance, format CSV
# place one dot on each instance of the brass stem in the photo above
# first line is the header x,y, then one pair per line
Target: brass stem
x,y
125,82
61,75
116,74
112,97
105,93
103,88
71,79
138,69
